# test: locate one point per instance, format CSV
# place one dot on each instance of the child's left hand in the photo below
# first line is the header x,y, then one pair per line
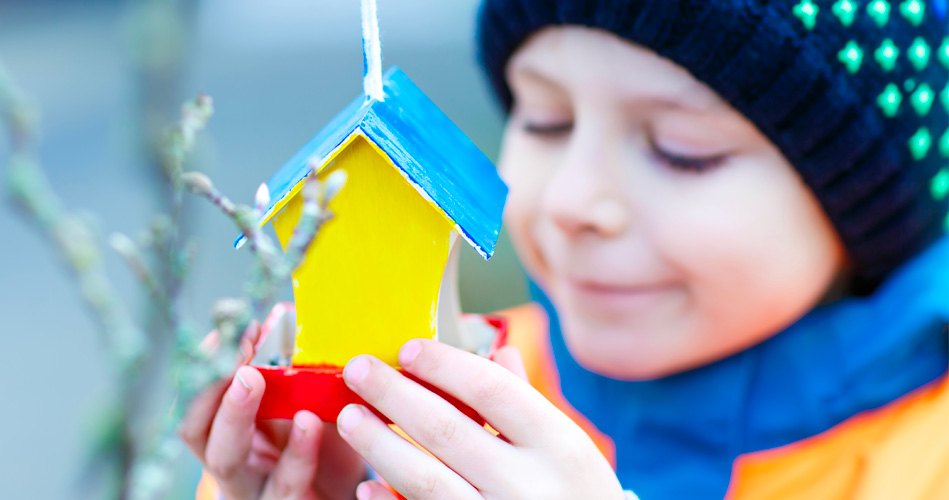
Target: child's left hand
x,y
540,453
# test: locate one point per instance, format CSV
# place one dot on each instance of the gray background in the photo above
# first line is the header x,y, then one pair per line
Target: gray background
x,y
278,70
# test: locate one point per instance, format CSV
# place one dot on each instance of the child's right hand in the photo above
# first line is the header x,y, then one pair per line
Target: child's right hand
x,y
304,459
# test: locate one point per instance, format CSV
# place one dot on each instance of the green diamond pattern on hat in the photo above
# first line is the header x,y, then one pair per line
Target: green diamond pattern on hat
x,y
879,11
939,186
918,53
851,56
944,52
822,79
886,55
889,100
913,11
922,99
845,11
920,143
807,11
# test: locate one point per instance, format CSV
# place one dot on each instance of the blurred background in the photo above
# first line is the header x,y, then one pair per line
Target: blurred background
x,y
105,74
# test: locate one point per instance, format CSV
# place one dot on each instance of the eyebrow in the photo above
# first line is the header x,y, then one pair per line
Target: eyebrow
x,y
534,74
683,100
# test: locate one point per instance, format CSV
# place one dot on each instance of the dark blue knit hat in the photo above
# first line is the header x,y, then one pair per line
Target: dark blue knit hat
x,y
853,92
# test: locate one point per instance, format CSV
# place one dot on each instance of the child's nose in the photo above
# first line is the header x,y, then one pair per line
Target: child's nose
x,y
585,196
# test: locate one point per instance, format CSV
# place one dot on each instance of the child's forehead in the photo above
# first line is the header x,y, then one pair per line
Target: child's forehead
x,y
575,60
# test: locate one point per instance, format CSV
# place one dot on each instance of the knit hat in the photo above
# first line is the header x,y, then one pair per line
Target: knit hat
x,y
853,92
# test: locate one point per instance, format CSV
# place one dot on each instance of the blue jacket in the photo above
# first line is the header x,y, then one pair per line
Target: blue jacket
x,y
678,437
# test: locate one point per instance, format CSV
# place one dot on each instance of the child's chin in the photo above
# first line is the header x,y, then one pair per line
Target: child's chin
x,y
623,354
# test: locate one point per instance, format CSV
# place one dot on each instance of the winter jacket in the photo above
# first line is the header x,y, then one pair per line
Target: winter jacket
x,y
849,402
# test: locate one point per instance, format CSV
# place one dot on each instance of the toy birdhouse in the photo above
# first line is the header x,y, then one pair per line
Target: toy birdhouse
x,y
382,271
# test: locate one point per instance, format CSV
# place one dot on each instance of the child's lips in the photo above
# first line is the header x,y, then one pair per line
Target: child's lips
x,y
611,297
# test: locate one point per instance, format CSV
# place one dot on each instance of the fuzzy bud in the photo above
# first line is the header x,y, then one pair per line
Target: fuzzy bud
x,y
333,185
204,101
229,316
197,183
262,198
124,245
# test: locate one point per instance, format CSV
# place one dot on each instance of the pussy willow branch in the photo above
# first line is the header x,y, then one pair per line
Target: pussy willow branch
x,y
124,343
146,458
273,267
71,234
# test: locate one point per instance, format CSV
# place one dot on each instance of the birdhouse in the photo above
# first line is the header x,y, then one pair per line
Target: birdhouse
x,y
382,271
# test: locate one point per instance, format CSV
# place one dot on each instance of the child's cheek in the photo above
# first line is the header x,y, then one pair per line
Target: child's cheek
x,y
523,204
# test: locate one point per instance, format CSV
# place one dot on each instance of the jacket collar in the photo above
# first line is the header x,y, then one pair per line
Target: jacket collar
x,y
676,437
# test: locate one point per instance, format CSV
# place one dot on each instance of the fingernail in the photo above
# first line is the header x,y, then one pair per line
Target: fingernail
x,y
299,428
247,351
349,418
363,491
356,369
239,389
409,352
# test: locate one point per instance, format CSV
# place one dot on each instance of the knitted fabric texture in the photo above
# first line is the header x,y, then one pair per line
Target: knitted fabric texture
x,y
853,92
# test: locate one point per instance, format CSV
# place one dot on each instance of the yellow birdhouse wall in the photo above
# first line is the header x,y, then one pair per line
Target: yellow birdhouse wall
x,y
370,281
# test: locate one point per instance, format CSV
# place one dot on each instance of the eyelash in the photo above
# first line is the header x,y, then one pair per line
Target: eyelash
x,y
678,162
696,164
688,163
548,131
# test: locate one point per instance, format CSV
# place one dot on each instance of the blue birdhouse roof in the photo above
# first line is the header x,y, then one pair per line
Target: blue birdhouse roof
x,y
433,153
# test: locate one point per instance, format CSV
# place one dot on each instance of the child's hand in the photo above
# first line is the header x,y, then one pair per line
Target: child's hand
x,y
542,454
304,459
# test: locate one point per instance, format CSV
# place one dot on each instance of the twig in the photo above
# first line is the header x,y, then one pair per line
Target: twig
x,y
144,461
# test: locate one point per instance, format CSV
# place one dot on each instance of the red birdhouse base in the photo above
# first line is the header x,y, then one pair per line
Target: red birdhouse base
x,y
322,390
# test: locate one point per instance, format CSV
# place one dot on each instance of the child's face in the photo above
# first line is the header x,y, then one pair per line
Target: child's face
x,y
667,230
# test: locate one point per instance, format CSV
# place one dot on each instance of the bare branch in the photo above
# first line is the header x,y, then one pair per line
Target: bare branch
x,y
132,255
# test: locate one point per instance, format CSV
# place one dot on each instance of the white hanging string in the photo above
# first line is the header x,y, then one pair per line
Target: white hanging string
x,y
371,51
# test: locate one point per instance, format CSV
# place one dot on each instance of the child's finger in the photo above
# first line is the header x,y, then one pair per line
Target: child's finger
x,y
373,490
510,357
409,470
232,431
340,466
509,404
263,448
431,421
210,342
246,351
196,424
252,333
296,468
248,342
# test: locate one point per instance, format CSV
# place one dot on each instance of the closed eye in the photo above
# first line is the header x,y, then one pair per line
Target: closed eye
x,y
549,130
688,163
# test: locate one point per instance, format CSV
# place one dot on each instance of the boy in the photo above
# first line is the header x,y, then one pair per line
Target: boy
x,y
733,216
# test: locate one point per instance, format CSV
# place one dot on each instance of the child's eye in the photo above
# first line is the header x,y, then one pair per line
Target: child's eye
x,y
688,163
548,130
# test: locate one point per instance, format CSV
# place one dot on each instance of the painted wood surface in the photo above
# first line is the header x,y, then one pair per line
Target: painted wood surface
x,y
423,143
323,391
371,280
